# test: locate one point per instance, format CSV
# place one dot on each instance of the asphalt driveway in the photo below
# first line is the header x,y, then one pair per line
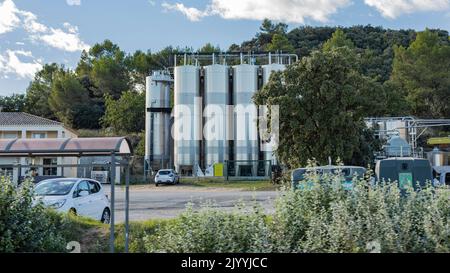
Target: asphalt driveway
x,y
150,202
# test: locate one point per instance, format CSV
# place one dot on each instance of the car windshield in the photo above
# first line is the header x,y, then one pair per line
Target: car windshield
x,y
54,187
164,172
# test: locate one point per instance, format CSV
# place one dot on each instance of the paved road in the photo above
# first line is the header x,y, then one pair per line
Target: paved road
x,y
148,202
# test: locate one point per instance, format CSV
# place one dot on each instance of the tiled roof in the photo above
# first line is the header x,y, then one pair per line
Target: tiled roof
x,y
20,118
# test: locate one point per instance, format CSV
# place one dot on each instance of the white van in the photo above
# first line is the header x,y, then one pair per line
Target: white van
x,y
441,175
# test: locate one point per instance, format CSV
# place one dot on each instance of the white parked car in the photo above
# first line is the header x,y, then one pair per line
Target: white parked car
x,y
168,176
80,196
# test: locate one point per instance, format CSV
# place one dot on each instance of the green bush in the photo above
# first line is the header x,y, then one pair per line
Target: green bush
x,y
327,218
323,218
24,227
211,230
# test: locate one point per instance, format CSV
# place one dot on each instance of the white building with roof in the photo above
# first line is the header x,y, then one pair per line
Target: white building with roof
x,y
19,125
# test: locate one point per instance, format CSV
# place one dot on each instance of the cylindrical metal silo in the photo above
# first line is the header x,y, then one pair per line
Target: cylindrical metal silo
x,y
267,71
245,84
157,133
216,100
187,119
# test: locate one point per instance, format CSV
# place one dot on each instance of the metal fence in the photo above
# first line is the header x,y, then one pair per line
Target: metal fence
x,y
18,173
248,169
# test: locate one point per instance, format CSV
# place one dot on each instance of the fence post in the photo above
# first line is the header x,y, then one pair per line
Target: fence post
x,y
19,173
113,183
127,206
226,169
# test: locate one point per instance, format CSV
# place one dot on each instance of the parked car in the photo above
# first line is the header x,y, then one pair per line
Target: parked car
x,y
407,172
168,176
348,174
441,175
80,196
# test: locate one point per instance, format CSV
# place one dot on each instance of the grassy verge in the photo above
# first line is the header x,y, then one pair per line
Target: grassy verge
x,y
258,185
138,231
93,236
247,185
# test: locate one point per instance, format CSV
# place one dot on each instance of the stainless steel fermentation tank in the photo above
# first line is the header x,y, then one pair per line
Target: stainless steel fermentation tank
x,y
217,120
157,121
205,87
267,72
187,119
246,144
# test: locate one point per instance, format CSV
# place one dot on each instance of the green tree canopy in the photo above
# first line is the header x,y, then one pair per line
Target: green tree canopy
x,y
422,72
209,48
13,103
126,115
106,68
338,39
67,97
280,42
323,100
139,65
268,27
39,91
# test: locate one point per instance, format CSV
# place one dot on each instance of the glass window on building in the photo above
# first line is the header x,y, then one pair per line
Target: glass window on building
x,y
48,162
9,135
38,135
6,172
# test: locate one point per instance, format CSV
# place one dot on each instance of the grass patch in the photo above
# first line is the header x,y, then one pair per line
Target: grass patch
x,y
91,234
138,231
257,185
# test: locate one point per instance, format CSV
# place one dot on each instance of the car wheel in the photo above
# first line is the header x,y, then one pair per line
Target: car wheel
x,y
156,184
73,212
106,216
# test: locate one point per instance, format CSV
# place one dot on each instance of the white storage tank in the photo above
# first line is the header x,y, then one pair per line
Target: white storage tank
x,y
158,118
267,71
216,100
187,119
245,84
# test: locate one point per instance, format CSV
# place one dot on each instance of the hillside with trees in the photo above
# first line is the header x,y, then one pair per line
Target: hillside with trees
x,y
394,72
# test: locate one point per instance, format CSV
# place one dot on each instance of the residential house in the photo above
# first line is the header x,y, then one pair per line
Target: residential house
x,y
24,125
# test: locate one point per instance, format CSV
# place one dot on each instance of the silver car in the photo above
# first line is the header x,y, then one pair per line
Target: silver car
x,y
167,176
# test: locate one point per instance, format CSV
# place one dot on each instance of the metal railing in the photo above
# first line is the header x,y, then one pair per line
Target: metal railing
x,y
12,169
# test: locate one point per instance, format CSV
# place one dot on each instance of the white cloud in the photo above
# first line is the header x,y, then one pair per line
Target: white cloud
x,y
70,28
9,19
11,63
22,63
291,11
31,24
73,2
394,8
192,14
67,41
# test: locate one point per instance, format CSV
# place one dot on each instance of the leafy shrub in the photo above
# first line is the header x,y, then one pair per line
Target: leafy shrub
x,y
138,232
327,218
322,218
24,227
211,230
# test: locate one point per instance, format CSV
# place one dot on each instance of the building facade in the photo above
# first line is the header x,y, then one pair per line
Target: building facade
x,y
26,126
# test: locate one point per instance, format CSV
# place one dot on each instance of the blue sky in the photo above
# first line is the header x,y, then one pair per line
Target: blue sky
x,y
35,32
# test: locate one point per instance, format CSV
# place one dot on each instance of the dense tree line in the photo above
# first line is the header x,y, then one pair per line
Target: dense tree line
x,y
392,72
104,73
325,96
